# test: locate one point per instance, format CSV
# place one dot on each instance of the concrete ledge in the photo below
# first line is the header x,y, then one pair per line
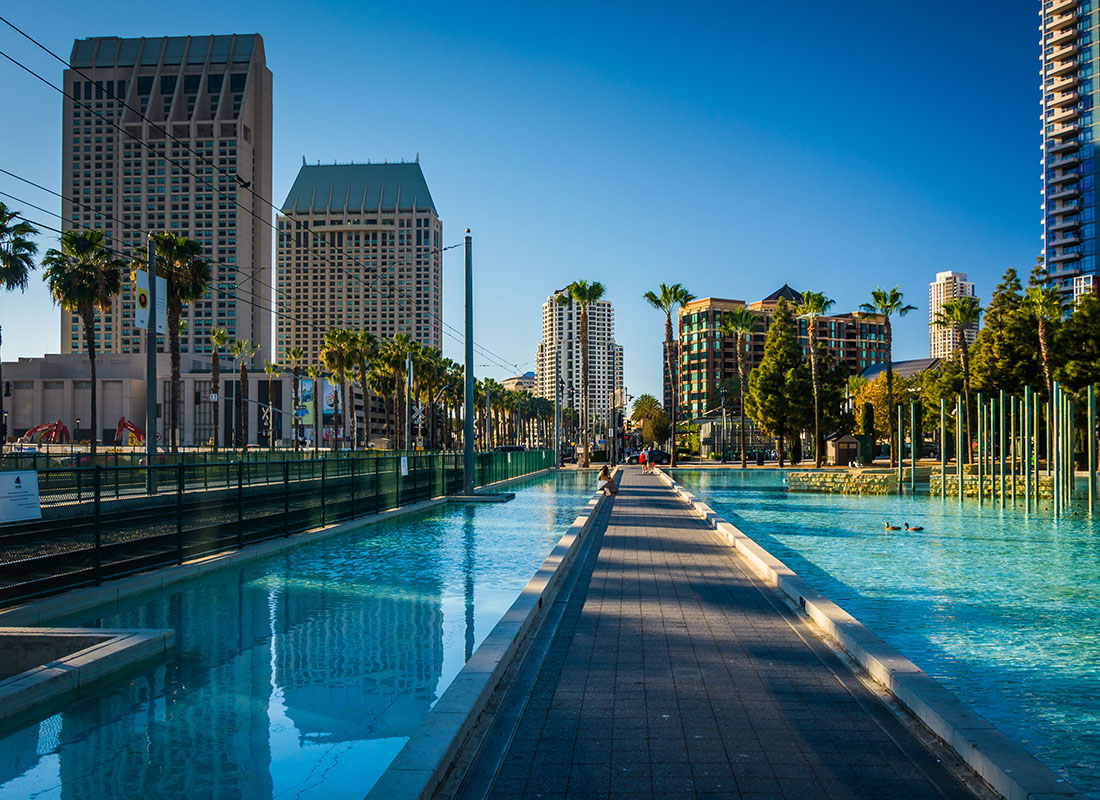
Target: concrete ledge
x,y
423,762
35,612
1006,766
99,656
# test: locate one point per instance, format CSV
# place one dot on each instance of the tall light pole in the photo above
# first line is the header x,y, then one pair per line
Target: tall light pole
x,y
725,437
468,400
150,359
557,406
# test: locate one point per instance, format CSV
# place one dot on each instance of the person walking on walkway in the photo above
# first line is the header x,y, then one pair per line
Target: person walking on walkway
x,y
643,459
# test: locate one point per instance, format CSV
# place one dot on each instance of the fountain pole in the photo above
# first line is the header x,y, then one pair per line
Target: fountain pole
x,y
468,395
943,447
1001,439
1090,439
958,444
914,448
981,449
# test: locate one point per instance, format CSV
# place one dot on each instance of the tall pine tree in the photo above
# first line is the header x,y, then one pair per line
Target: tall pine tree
x,y
1005,354
780,397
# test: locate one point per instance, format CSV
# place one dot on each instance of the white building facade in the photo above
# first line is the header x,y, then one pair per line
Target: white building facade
x,y
559,355
947,286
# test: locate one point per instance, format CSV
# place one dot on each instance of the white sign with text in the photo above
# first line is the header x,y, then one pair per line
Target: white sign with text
x,y
19,496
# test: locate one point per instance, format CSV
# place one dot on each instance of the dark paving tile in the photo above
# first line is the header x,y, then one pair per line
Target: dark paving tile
x,y
673,676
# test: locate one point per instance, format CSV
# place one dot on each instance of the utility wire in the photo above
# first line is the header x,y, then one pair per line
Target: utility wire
x,y
223,193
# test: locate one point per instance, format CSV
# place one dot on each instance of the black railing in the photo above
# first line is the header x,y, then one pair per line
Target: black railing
x,y
103,522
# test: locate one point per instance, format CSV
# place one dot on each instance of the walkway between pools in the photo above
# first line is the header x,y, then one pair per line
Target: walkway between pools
x,y
675,673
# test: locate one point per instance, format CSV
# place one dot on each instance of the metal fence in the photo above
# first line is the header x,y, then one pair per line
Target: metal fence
x,y
103,522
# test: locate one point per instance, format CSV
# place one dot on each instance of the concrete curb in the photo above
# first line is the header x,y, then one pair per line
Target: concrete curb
x,y
73,675
1007,767
423,762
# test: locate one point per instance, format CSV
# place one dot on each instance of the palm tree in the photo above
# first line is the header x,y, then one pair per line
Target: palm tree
x,y
241,349
1044,302
814,305
295,355
888,302
336,352
317,374
365,352
187,275
740,324
959,315
16,262
84,276
582,294
646,407
668,299
17,251
218,339
272,371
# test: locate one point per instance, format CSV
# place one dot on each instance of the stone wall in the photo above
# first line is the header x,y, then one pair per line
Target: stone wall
x,y
990,483
843,482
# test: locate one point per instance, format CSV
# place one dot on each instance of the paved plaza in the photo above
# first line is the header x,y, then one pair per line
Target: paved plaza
x,y
676,674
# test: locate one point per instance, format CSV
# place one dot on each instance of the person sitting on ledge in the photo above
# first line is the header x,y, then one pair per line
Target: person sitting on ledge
x,y
605,483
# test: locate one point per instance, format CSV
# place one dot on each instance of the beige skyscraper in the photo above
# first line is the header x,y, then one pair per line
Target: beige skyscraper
x,y
947,286
561,339
359,247
195,119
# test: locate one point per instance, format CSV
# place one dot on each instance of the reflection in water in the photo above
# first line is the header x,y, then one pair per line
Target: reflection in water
x,y
468,574
299,675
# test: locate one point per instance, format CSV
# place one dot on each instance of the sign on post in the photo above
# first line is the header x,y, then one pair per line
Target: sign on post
x,y
404,465
141,302
19,496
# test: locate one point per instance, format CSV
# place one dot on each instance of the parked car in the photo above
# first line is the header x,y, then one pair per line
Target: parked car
x,y
568,454
658,456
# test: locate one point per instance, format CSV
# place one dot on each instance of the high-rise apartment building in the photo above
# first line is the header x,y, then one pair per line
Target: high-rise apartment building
x,y
708,358
359,246
1070,90
947,286
559,353
191,155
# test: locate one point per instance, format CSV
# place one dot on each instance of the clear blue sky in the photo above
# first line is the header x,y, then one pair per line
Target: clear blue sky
x,y
728,146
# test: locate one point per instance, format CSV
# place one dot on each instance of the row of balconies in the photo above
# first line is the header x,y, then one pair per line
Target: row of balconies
x,y
1061,67
1066,161
1069,207
1064,224
1058,21
1061,84
1062,114
1065,144
1060,35
1061,192
1056,7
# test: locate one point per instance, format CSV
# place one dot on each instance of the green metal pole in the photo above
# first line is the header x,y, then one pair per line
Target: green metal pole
x,y
901,449
1013,448
943,447
1035,446
1054,429
1025,447
1071,454
1001,443
1090,439
914,447
981,450
958,444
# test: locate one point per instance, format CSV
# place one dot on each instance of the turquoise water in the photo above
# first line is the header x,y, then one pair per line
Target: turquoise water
x,y
300,675
1001,607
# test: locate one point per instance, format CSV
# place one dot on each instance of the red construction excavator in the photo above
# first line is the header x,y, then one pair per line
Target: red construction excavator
x,y
127,433
47,433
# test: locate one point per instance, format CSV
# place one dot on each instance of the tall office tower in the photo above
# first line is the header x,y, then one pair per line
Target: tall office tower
x,y
561,339
195,120
1069,135
947,286
359,247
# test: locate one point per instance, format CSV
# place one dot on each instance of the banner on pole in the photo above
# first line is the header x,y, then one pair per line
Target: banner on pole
x,y
141,302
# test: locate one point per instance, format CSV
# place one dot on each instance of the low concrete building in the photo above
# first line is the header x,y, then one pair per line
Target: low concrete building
x,y
59,387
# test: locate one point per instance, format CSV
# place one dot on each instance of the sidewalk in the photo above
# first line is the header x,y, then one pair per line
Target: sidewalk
x,y
676,675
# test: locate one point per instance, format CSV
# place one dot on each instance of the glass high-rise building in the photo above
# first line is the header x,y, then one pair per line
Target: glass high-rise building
x,y
174,134
1070,132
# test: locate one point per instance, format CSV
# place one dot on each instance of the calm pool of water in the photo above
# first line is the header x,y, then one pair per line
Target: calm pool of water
x,y
300,675
1001,607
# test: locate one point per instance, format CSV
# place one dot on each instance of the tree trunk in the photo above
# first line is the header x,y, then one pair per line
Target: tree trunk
x,y
584,383
817,392
890,390
242,429
1046,349
782,449
174,358
215,377
741,382
674,384
87,314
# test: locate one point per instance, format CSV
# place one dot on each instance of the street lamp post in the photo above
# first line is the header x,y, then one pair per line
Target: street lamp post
x,y
72,439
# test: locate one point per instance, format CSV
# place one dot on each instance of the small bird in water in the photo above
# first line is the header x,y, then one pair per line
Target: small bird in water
x,y
890,527
909,527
